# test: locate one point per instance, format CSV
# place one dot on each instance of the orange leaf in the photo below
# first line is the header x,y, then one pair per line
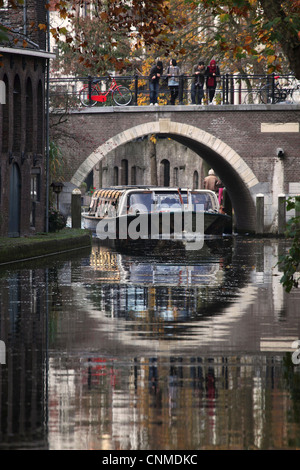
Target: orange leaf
x,y
271,58
43,27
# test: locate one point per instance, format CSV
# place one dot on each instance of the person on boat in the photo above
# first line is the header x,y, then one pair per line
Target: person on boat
x,y
211,182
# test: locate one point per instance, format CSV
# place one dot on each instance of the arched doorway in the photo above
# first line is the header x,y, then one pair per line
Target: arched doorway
x,y
14,201
165,173
195,180
116,176
124,172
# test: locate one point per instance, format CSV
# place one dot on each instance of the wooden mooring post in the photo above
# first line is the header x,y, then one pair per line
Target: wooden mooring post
x,y
260,214
281,214
76,208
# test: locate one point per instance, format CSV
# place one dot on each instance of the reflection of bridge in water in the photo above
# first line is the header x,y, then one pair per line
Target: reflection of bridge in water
x,y
175,302
147,305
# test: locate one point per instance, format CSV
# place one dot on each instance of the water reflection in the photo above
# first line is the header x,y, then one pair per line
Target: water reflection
x,y
169,350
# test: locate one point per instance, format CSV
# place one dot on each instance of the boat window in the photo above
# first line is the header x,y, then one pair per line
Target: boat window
x,y
107,207
93,204
202,199
167,200
100,208
140,201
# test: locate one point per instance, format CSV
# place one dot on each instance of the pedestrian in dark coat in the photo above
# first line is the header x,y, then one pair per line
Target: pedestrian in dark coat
x,y
212,75
197,92
154,77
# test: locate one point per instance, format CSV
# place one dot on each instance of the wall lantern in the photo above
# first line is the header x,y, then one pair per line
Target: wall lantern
x,y
57,187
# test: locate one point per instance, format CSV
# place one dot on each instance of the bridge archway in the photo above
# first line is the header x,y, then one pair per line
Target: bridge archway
x,y
237,176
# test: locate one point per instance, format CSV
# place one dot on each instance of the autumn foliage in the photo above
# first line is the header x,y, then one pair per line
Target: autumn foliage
x,y
254,35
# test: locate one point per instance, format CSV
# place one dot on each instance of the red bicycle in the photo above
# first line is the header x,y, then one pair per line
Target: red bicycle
x,y
120,94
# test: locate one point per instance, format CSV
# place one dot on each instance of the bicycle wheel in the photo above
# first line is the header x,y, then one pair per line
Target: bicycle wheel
x,y
85,97
251,98
295,97
264,95
122,96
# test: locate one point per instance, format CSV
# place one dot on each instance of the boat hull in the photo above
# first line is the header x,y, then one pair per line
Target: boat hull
x,y
160,225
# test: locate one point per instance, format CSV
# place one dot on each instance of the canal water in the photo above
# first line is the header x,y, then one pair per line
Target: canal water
x,y
165,350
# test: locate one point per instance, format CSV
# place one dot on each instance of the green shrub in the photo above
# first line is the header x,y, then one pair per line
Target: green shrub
x,y
57,221
290,262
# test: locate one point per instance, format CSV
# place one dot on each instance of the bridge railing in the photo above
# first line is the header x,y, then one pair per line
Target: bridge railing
x,y
231,89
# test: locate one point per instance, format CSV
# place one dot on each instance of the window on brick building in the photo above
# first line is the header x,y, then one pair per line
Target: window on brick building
x,y
29,117
116,176
165,173
195,180
5,118
17,115
40,119
35,191
133,175
175,177
124,172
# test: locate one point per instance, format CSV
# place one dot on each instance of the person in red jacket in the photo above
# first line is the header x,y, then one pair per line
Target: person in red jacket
x,y
212,74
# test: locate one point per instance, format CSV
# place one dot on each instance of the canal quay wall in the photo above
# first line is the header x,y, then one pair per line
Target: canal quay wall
x,y
43,244
254,149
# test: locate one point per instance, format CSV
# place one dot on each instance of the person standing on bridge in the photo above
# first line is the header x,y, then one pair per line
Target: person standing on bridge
x,y
211,182
197,91
154,77
173,73
212,76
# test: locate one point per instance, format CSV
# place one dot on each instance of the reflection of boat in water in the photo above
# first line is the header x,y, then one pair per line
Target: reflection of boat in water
x,y
150,213
162,298
112,266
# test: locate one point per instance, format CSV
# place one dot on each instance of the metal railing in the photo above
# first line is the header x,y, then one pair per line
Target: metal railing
x,y
231,89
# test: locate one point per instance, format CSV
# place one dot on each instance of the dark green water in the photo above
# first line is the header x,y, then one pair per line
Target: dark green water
x,y
166,350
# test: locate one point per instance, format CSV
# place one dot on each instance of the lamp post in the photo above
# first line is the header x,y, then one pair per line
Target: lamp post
x,y
57,187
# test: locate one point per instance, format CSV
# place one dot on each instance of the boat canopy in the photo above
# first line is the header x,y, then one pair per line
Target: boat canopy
x,y
102,196
106,200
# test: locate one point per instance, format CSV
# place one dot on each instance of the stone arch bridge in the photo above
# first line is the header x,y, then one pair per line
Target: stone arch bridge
x,y
241,143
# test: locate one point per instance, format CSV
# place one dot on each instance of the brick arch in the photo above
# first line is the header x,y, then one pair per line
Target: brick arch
x,y
237,176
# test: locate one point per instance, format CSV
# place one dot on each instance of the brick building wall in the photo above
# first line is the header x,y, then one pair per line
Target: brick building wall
x,y
149,163
22,129
24,19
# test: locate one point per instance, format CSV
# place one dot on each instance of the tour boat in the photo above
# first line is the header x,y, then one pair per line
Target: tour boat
x,y
152,212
